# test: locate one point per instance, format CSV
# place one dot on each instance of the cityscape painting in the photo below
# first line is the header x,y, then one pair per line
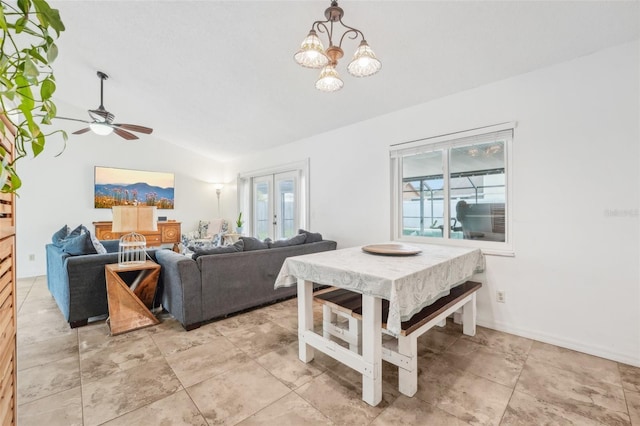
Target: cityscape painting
x,y
122,187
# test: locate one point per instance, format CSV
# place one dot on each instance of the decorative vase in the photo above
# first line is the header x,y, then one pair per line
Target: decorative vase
x,y
239,229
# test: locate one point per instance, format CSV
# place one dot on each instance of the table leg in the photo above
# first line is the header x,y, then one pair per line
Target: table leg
x,y
305,318
372,349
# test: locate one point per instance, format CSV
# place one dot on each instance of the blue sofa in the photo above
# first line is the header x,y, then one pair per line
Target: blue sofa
x,y
78,284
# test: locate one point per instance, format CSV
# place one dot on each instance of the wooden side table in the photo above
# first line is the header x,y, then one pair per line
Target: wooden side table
x,y
129,303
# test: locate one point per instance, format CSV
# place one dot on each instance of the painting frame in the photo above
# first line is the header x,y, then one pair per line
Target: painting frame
x,y
114,186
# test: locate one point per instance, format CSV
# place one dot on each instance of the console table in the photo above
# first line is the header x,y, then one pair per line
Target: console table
x,y
168,232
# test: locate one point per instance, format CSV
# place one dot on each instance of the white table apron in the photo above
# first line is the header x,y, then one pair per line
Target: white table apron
x,y
408,282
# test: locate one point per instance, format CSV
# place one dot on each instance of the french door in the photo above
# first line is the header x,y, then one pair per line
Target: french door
x,y
275,205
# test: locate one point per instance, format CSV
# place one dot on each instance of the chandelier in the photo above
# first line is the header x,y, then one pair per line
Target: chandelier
x,y
312,53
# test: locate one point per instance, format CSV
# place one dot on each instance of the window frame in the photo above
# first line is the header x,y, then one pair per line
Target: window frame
x,y
444,143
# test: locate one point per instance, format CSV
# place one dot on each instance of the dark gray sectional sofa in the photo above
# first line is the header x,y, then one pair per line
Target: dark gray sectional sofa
x,y
77,283
216,285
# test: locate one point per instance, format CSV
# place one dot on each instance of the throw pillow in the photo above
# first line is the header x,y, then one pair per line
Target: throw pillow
x,y
251,243
77,231
78,245
238,246
312,237
203,229
60,235
293,241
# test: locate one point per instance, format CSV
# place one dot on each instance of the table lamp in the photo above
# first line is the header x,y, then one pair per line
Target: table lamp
x,y
133,219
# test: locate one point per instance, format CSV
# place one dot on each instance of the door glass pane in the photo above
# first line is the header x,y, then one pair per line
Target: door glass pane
x,y
286,202
422,195
262,212
477,187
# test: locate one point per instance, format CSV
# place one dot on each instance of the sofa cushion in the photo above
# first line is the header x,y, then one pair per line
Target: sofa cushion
x,y
238,246
78,245
251,243
60,235
293,241
312,237
77,231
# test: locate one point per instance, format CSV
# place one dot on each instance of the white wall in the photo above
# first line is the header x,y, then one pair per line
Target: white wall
x,y
59,190
575,278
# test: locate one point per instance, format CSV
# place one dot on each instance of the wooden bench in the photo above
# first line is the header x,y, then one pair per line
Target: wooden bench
x,y
347,304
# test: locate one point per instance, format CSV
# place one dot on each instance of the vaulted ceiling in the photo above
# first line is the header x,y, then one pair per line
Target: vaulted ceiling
x,y
218,77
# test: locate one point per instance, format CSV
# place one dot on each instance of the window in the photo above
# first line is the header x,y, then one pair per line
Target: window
x,y
454,189
275,201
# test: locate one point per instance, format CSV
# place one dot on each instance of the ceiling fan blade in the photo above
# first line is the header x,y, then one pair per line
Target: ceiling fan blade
x,y
81,131
124,134
73,119
134,128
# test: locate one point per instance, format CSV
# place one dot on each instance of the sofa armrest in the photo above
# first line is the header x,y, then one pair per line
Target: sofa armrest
x,y
182,293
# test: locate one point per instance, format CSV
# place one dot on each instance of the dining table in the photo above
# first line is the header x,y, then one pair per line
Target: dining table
x,y
410,278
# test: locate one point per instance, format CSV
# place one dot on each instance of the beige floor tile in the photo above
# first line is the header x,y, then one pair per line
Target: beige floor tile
x,y
630,376
176,409
60,409
123,392
471,398
202,362
32,331
406,411
436,340
48,379
46,351
291,410
575,392
116,356
171,337
597,368
500,367
633,404
285,365
499,341
233,396
338,395
261,339
24,284
524,410
240,321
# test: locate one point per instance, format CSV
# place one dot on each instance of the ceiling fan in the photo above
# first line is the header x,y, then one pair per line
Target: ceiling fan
x,y
103,124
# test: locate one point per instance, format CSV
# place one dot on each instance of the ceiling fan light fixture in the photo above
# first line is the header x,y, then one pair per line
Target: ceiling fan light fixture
x,y
364,62
101,129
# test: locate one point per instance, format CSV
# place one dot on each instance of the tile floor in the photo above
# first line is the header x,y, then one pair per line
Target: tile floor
x,y
244,370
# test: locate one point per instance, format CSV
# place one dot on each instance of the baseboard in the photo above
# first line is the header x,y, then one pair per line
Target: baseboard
x,y
562,342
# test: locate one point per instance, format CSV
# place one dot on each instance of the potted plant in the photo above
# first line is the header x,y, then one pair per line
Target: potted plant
x,y
27,83
239,223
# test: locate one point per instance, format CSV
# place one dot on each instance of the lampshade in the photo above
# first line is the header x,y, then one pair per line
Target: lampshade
x,y
329,80
101,129
364,62
311,53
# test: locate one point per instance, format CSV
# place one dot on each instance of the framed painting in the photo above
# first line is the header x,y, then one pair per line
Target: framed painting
x,y
122,187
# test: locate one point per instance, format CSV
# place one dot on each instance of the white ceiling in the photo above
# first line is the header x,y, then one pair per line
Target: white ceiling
x,y
219,78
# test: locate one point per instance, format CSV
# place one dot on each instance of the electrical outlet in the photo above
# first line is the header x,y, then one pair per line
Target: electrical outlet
x,y
32,257
501,296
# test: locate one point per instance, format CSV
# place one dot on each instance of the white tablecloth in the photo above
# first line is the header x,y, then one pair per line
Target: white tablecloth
x,y
409,282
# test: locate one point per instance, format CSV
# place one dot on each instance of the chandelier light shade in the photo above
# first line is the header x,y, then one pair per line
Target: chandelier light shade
x,y
364,62
312,53
329,80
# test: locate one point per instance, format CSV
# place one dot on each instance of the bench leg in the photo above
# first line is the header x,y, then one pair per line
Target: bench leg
x,y
355,334
305,318
457,316
328,316
469,317
442,323
408,377
372,349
